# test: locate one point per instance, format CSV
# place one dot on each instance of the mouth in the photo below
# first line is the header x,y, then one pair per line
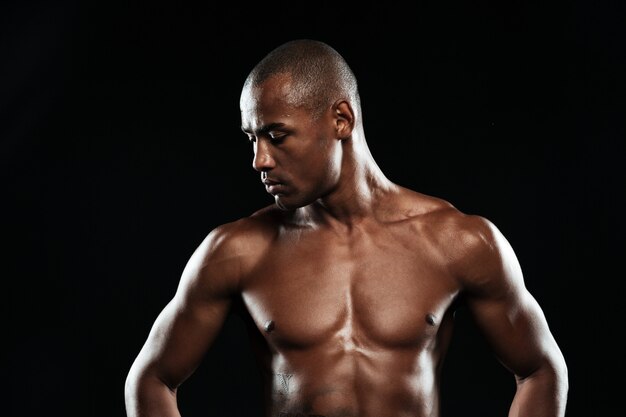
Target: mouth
x,y
273,187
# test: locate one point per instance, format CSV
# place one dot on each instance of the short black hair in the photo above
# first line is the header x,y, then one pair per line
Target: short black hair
x,y
319,74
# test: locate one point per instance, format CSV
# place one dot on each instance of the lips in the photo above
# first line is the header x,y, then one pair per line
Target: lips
x,y
273,186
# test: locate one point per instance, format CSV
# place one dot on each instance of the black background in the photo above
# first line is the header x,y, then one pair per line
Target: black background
x,y
121,150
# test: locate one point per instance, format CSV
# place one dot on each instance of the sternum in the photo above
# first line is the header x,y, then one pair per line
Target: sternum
x,y
348,335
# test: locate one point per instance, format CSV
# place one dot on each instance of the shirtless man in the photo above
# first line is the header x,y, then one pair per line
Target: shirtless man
x,y
349,281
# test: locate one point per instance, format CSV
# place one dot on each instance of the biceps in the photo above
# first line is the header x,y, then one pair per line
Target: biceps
x,y
517,329
180,337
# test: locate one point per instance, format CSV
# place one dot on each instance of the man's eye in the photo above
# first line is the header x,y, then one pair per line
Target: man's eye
x,y
277,137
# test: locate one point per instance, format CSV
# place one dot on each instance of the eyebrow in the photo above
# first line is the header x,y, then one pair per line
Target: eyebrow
x,y
265,128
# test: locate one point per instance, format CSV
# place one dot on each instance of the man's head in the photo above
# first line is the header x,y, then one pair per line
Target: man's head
x,y
298,105
319,75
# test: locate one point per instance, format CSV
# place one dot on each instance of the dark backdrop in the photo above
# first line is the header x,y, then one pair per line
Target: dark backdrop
x,y
121,150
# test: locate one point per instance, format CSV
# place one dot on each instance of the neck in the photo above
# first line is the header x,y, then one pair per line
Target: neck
x,y
360,190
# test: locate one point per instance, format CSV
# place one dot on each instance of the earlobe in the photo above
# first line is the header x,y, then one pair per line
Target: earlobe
x,y
344,119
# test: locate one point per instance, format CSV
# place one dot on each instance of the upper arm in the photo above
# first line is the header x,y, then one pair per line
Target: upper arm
x,y
503,308
186,327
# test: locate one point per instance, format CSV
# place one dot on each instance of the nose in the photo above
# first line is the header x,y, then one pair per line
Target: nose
x,y
263,160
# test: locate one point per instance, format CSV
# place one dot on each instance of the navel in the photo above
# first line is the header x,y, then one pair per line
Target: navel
x,y
269,326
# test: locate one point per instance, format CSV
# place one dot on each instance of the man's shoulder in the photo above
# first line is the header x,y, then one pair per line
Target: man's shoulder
x,y
427,209
470,244
446,223
244,236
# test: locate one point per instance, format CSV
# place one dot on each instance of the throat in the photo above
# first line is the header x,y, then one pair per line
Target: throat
x,y
353,201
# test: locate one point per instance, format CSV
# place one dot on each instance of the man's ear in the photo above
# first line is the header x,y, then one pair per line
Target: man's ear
x,y
343,117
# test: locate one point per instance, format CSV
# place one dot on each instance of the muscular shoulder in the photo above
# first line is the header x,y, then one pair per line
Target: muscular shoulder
x,y
479,255
228,252
473,248
242,238
432,218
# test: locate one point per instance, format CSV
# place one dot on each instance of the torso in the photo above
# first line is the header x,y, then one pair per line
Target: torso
x,y
360,321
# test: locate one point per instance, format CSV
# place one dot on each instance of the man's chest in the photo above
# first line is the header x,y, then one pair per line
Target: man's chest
x,y
378,293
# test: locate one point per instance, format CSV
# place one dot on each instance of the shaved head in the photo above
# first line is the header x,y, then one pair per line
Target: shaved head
x,y
318,75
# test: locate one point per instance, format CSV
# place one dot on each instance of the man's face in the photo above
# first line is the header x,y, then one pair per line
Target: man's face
x,y
298,156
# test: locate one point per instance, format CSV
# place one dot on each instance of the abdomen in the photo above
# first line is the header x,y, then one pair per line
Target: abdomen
x,y
334,382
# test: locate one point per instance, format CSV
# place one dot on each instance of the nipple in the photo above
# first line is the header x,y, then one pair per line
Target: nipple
x,y
269,326
431,319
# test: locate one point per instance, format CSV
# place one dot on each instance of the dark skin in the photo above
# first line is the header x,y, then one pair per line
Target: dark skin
x,y
349,284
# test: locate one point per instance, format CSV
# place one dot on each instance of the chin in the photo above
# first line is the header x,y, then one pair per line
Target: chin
x,y
290,203
283,204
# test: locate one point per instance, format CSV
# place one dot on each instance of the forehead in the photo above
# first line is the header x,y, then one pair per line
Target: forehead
x,y
267,102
